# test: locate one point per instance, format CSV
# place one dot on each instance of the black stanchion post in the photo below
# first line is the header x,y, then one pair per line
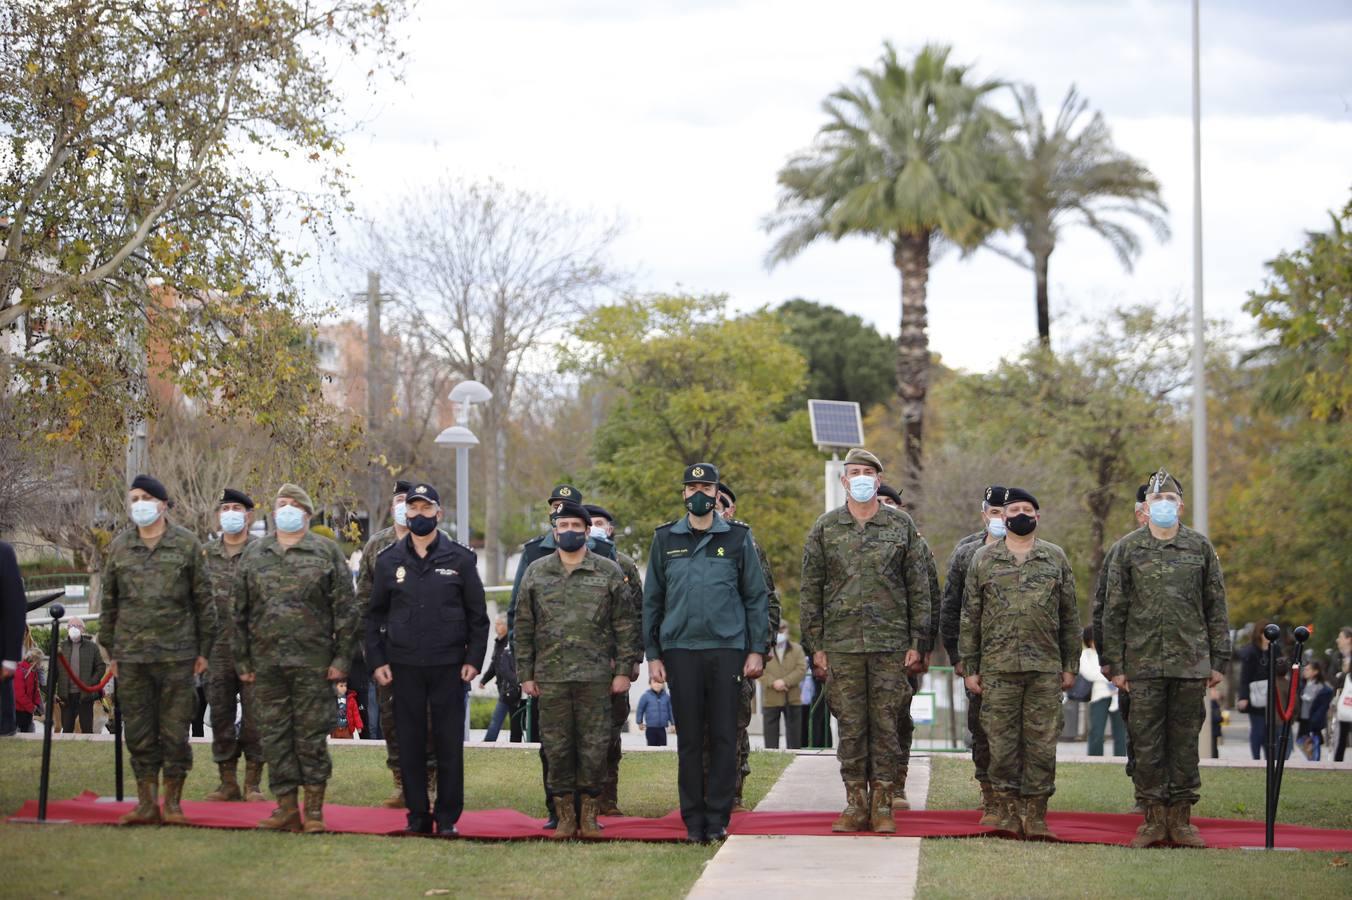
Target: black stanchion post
x,y
117,741
1273,633
57,611
1301,634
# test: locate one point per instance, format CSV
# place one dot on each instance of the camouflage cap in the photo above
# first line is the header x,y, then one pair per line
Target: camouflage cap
x,y
861,457
1162,482
297,493
700,473
565,492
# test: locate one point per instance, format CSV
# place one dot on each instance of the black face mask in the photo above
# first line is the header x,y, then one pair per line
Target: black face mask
x,y
700,504
570,541
1022,524
422,526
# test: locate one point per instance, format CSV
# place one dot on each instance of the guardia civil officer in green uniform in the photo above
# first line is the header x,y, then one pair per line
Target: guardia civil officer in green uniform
x,y
226,694
296,622
866,614
705,623
158,623
950,625
1020,646
426,632
1166,639
576,644
603,529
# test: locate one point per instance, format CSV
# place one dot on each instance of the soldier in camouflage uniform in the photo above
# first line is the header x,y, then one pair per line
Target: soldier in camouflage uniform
x,y
1020,646
866,615
234,512
950,620
603,529
157,622
577,641
296,622
1166,639
727,502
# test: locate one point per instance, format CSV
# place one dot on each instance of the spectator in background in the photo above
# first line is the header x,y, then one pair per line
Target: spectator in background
x,y
348,720
1103,701
503,668
1253,668
87,663
199,710
13,610
1342,683
781,691
28,691
1314,709
654,713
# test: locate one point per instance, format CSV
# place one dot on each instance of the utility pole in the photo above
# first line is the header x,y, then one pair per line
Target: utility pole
x,y
375,395
1199,448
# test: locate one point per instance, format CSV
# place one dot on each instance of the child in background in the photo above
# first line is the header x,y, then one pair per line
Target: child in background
x,y
349,715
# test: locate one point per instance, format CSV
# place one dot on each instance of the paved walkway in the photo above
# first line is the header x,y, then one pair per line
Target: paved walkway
x,y
755,864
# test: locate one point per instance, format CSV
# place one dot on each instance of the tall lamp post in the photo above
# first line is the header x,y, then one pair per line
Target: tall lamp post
x,y
461,438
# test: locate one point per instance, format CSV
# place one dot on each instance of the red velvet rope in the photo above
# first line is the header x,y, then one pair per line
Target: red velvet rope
x,y
88,689
1283,710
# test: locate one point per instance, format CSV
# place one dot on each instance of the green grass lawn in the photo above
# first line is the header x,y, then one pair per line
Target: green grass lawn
x,y
189,862
972,867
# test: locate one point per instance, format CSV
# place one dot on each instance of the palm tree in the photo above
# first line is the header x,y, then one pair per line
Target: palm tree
x,y
1079,178
909,157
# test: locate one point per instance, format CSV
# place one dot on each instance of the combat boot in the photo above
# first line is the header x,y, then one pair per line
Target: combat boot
x,y
228,789
588,827
314,809
1181,830
1008,822
1035,819
990,811
566,811
609,801
880,808
737,806
855,816
173,796
253,777
899,800
147,811
395,800
286,817
1154,829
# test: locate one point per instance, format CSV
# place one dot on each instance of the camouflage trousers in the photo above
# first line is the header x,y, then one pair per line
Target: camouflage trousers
x,y
296,712
981,745
619,717
157,700
1166,717
225,693
1021,714
575,734
746,702
867,693
388,728
906,729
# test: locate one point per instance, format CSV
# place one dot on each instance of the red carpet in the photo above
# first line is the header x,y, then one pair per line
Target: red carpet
x,y
507,824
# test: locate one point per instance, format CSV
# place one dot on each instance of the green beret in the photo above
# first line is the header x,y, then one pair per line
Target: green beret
x,y
861,457
701,473
297,493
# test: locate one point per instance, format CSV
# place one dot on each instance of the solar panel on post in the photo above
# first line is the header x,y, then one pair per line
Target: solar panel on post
x,y
836,423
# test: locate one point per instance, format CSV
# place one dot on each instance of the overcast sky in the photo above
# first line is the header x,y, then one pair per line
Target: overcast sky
x,y
677,115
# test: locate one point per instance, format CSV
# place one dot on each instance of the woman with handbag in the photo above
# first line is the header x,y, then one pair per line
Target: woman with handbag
x,y
1093,686
1253,687
1315,697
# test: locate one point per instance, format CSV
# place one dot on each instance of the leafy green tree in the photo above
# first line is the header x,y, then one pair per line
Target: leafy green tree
x,y
1069,177
908,157
693,385
847,359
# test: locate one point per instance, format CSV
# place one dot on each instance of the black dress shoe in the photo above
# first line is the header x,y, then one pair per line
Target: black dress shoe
x,y
552,822
448,830
418,824
694,837
716,834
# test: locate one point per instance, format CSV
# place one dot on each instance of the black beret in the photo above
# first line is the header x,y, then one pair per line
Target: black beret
x,y
230,495
890,493
402,487
151,486
565,492
598,512
569,509
424,492
1014,495
1141,492
724,489
995,495
700,473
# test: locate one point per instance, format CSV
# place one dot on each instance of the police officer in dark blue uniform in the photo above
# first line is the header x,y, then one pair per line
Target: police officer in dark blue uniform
x,y
426,634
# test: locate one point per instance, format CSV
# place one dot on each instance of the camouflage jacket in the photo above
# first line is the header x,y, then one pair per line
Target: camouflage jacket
x,y
366,572
221,568
634,585
865,588
1101,594
294,607
156,603
950,612
575,626
1020,617
1164,613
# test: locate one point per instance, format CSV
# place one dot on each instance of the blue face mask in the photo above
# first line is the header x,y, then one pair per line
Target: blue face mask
x,y
996,527
289,519
862,488
598,533
1164,513
145,512
232,521
401,515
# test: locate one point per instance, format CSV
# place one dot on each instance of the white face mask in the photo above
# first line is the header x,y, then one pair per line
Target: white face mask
x,y
401,515
145,512
75,634
781,639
